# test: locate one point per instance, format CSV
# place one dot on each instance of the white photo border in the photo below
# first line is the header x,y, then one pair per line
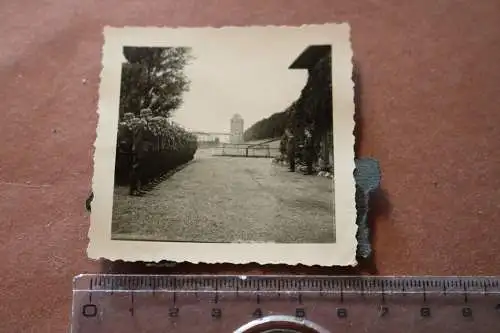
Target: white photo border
x,y
340,253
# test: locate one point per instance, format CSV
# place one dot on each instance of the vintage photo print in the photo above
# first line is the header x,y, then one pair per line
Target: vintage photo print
x,y
225,145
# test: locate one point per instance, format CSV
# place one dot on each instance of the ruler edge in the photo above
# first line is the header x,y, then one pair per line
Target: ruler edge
x,y
89,276
462,280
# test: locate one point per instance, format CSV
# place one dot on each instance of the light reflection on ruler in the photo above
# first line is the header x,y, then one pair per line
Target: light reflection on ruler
x,y
131,303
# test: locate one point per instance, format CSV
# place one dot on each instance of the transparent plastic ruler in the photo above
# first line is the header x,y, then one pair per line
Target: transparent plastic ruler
x,y
308,304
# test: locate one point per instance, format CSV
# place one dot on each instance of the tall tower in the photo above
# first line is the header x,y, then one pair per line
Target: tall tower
x,y
236,129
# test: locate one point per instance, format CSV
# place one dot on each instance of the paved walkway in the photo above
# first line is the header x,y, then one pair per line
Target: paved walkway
x,y
229,199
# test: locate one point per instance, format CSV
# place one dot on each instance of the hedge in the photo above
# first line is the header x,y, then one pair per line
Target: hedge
x,y
155,143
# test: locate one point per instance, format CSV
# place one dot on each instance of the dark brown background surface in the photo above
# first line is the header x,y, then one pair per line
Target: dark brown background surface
x,y
430,93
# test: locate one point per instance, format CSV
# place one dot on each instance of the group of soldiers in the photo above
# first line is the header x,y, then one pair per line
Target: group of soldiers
x,y
305,152
148,148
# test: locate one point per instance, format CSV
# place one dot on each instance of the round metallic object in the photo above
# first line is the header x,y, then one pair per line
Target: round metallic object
x,y
281,324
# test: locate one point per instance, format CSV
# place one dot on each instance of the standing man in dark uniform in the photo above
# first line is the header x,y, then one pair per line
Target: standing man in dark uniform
x,y
135,179
135,172
290,151
138,152
309,151
124,152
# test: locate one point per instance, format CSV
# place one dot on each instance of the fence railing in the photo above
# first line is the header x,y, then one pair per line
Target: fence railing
x,y
246,150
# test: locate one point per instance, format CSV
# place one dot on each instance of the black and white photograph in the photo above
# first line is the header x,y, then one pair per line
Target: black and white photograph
x,y
225,145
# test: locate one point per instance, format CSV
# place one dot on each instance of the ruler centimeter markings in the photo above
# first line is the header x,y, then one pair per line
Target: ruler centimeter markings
x,y
316,304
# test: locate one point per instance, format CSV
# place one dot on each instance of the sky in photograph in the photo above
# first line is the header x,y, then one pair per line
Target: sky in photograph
x,y
248,76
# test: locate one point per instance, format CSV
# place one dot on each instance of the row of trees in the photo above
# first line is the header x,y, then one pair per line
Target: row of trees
x,y
149,144
153,78
311,119
311,111
271,127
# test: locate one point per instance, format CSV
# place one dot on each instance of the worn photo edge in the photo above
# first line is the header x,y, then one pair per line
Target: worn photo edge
x,y
344,254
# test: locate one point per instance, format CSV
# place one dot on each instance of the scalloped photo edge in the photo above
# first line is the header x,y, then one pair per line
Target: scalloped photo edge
x,y
264,249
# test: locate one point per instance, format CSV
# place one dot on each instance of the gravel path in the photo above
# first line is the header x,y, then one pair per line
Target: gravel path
x,y
229,199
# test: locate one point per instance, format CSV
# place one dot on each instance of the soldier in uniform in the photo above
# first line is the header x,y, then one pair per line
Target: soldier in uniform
x,y
135,179
135,172
124,147
139,153
309,152
290,151
149,165
124,150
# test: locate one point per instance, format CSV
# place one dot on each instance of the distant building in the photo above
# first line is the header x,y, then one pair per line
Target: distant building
x,y
237,127
212,137
205,137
